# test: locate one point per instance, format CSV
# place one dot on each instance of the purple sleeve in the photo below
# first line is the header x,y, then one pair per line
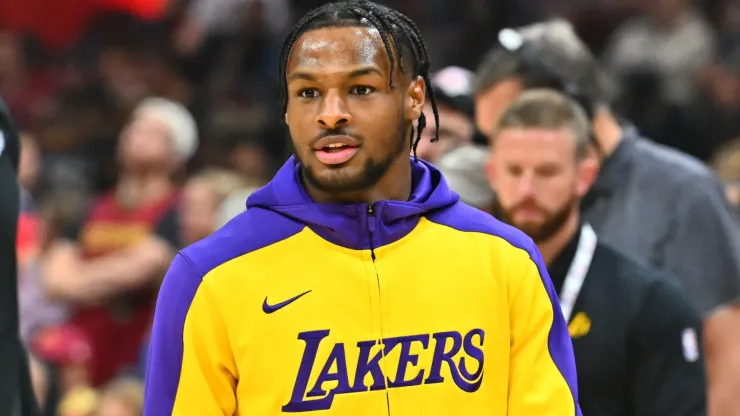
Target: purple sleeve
x,y
166,345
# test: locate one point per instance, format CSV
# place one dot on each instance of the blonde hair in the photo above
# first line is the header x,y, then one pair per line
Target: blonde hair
x,y
223,182
127,389
81,400
544,108
182,125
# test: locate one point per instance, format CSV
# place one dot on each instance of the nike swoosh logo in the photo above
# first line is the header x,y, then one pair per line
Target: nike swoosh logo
x,y
268,309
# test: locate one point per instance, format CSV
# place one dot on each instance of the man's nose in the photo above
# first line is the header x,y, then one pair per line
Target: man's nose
x,y
526,186
333,112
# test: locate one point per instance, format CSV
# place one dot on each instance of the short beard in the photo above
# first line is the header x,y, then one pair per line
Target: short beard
x,y
553,223
372,173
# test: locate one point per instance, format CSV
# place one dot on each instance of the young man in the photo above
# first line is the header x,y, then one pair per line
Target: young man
x,y
108,266
16,394
652,203
634,333
356,283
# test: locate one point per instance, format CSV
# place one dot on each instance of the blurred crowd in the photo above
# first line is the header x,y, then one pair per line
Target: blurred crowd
x,y
146,125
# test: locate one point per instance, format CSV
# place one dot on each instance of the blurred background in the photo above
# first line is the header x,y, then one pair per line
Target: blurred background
x,y
73,72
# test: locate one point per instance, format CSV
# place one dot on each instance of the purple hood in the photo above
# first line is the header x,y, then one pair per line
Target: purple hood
x,y
353,225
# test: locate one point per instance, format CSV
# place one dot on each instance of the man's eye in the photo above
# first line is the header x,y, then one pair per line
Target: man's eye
x,y
514,170
362,90
308,93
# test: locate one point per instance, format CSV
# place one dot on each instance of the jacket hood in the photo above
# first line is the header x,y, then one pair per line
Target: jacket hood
x,y
352,225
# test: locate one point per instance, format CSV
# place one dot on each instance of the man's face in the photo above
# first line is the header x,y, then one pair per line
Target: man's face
x,y
348,127
145,144
455,129
491,104
198,208
537,178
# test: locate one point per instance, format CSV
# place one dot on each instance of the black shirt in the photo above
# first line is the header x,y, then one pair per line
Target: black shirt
x,y
16,395
635,337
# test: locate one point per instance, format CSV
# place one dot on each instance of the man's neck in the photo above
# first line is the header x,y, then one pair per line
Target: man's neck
x,y
552,248
607,130
136,190
394,185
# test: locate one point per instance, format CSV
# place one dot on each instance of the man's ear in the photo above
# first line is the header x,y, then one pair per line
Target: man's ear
x,y
415,98
588,169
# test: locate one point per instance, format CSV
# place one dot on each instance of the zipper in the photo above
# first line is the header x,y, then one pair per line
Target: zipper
x,y
371,227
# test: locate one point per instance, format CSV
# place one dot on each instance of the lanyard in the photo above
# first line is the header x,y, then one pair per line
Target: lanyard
x,y
577,271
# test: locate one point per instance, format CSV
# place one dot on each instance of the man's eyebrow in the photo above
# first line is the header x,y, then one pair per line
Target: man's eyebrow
x,y
353,74
302,75
365,71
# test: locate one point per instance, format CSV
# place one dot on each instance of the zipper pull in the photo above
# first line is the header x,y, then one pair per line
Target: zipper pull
x,y
371,228
370,219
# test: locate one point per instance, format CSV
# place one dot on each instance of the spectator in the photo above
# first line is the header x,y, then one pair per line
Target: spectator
x,y
39,380
651,203
464,171
36,310
453,87
714,115
671,41
121,397
234,204
250,160
29,93
108,265
68,350
207,18
645,331
79,402
201,201
30,162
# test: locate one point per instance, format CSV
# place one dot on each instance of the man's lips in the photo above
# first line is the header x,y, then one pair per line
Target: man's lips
x,y
335,150
334,141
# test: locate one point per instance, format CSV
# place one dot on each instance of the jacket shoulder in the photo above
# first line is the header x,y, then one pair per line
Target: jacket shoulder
x,y
673,166
464,218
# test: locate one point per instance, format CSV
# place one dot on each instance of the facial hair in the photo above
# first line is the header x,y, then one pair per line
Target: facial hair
x,y
554,221
372,172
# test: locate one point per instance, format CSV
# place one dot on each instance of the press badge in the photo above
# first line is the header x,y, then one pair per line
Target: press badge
x,y
690,345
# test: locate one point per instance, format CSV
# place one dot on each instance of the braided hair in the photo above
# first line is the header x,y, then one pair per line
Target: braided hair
x,y
411,51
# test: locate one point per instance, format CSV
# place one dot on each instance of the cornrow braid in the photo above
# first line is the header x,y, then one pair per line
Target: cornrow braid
x,y
391,25
423,70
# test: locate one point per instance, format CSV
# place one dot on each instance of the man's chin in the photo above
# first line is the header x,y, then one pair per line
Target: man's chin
x,y
356,175
533,233
528,228
336,178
